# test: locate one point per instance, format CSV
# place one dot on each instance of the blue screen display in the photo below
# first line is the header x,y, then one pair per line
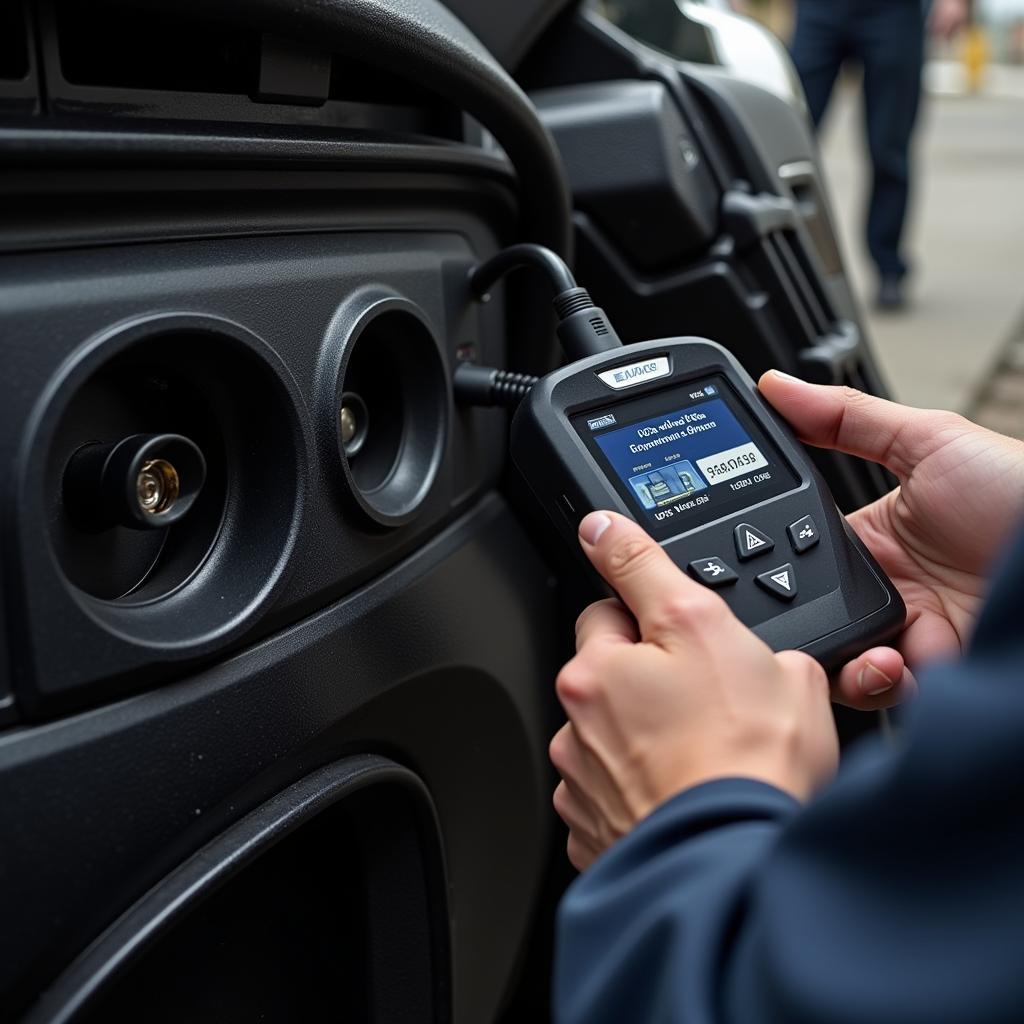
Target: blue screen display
x,y
694,455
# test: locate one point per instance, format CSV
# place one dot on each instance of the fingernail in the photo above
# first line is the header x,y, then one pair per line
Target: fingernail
x,y
593,526
786,376
878,681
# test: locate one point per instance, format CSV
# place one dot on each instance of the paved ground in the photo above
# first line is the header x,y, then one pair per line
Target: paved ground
x,y
962,344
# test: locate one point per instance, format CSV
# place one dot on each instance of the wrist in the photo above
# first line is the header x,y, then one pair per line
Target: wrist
x,y
715,802
793,772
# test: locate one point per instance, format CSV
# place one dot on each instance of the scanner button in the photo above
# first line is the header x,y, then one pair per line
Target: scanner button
x,y
803,534
751,542
780,581
712,572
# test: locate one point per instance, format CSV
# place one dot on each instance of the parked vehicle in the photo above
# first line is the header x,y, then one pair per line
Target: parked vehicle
x,y
278,622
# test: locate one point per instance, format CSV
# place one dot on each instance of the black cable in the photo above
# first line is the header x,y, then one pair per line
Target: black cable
x,y
583,328
483,278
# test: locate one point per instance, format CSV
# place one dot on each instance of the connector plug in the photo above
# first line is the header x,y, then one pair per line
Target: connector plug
x,y
583,328
489,386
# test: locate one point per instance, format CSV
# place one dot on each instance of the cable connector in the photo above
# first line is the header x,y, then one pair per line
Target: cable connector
x,y
583,328
489,386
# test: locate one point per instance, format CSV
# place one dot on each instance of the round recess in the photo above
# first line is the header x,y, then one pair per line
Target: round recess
x,y
384,398
190,408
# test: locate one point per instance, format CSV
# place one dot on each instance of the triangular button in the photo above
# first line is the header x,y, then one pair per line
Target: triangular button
x,y
780,581
751,542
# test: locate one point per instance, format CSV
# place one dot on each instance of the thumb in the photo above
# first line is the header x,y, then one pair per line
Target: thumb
x,y
664,600
897,436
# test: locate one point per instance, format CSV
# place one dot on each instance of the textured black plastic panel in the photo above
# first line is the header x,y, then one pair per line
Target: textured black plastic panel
x,y
768,135
633,162
284,292
441,664
103,141
422,41
325,895
508,30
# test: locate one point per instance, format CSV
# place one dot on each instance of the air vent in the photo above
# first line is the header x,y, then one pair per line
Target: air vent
x,y
104,58
103,45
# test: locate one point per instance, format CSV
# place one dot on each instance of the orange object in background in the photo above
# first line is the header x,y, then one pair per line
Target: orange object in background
x,y
975,56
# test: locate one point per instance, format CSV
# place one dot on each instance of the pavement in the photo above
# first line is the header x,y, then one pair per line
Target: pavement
x,y
961,344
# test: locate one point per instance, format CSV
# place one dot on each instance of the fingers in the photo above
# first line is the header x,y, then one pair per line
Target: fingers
x,y
875,679
605,622
927,637
560,749
580,854
573,812
664,600
896,436
800,664
570,805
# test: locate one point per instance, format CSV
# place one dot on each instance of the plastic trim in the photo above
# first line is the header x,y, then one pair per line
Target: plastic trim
x,y
206,871
423,41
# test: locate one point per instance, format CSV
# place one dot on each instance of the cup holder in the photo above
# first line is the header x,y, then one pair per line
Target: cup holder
x,y
384,398
174,478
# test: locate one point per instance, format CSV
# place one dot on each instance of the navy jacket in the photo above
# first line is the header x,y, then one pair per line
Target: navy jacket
x,y
896,896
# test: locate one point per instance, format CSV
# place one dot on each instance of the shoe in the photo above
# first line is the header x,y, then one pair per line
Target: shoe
x,y
891,297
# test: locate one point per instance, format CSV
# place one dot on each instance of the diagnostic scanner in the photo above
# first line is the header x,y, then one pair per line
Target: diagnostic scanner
x,y
674,434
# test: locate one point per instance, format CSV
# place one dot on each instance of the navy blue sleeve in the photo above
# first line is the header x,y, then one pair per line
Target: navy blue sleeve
x,y
896,896
647,931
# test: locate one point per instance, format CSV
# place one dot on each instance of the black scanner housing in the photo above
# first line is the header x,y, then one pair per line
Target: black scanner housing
x,y
844,603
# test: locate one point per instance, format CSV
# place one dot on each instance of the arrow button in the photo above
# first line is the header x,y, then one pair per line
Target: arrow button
x,y
712,572
751,542
780,582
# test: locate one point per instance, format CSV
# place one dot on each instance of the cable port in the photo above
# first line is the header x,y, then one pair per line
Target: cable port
x,y
145,482
384,398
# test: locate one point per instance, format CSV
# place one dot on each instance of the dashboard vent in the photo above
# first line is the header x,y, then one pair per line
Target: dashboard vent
x,y
107,59
103,45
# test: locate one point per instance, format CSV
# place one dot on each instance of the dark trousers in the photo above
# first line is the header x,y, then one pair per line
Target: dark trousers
x,y
887,38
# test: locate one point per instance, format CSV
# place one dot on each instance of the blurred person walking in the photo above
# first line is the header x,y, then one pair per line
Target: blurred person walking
x,y
886,37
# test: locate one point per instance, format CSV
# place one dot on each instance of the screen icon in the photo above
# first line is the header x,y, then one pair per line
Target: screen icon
x,y
663,486
607,420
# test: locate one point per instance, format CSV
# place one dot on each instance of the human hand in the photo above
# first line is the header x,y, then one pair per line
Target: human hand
x,y
948,17
960,497
668,689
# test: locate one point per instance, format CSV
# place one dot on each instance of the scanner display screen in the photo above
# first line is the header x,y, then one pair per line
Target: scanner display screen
x,y
684,457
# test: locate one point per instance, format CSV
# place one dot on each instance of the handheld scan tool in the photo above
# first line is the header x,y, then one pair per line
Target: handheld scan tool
x,y
675,435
